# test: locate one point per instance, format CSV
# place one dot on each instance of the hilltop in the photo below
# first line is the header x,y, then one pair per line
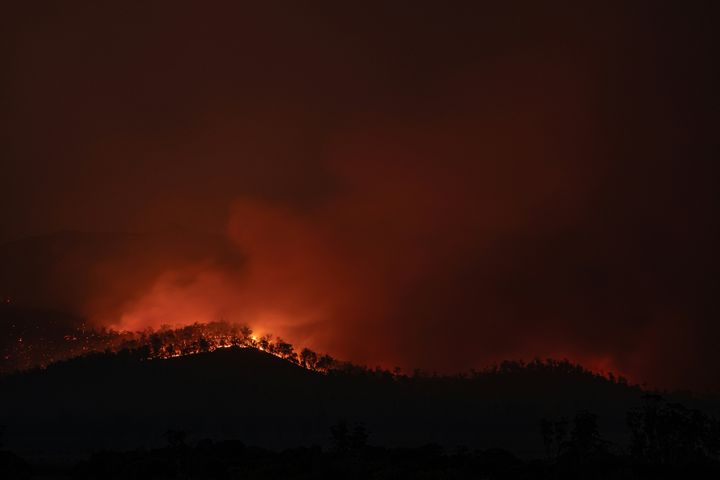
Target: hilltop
x,y
124,400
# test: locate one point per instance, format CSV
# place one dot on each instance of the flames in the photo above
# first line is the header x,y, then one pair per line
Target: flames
x,y
166,342
163,343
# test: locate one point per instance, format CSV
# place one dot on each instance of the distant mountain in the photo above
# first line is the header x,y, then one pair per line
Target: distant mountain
x,y
119,401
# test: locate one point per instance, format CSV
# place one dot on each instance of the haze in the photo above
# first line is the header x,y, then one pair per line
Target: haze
x,y
395,183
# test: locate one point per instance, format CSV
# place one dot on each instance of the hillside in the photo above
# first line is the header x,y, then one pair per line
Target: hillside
x,y
118,401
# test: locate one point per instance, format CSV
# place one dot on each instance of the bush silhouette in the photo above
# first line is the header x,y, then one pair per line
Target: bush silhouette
x,y
670,433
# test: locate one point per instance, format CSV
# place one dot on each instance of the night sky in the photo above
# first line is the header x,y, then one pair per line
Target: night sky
x,y
438,185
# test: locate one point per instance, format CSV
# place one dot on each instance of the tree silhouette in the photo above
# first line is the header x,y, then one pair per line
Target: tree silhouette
x,y
265,343
345,440
285,350
582,442
203,344
156,344
585,439
669,433
340,436
554,435
359,436
308,359
325,363
246,335
175,438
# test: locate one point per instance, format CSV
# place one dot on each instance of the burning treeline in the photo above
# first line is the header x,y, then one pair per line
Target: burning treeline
x,y
168,342
207,337
28,351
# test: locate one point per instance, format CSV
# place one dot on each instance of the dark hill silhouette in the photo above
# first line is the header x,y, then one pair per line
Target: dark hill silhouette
x,y
120,401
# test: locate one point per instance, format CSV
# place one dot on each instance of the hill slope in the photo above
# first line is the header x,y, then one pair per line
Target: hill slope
x,y
117,401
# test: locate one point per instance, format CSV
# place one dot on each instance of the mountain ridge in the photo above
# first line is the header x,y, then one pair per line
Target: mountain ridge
x,y
256,397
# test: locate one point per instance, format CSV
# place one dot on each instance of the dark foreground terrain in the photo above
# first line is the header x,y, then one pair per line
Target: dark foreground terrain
x,y
235,460
243,413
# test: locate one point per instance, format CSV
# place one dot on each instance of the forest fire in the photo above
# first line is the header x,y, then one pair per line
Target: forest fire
x,y
40,350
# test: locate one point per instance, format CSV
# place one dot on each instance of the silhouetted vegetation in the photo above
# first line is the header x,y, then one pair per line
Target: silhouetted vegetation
x,y
311,416
580,453
671,434
346,439
37,339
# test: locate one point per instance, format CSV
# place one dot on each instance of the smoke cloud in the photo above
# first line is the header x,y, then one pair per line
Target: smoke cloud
x,y
421,186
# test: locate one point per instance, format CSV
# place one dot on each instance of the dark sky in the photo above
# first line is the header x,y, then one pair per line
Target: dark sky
x,y
427,184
